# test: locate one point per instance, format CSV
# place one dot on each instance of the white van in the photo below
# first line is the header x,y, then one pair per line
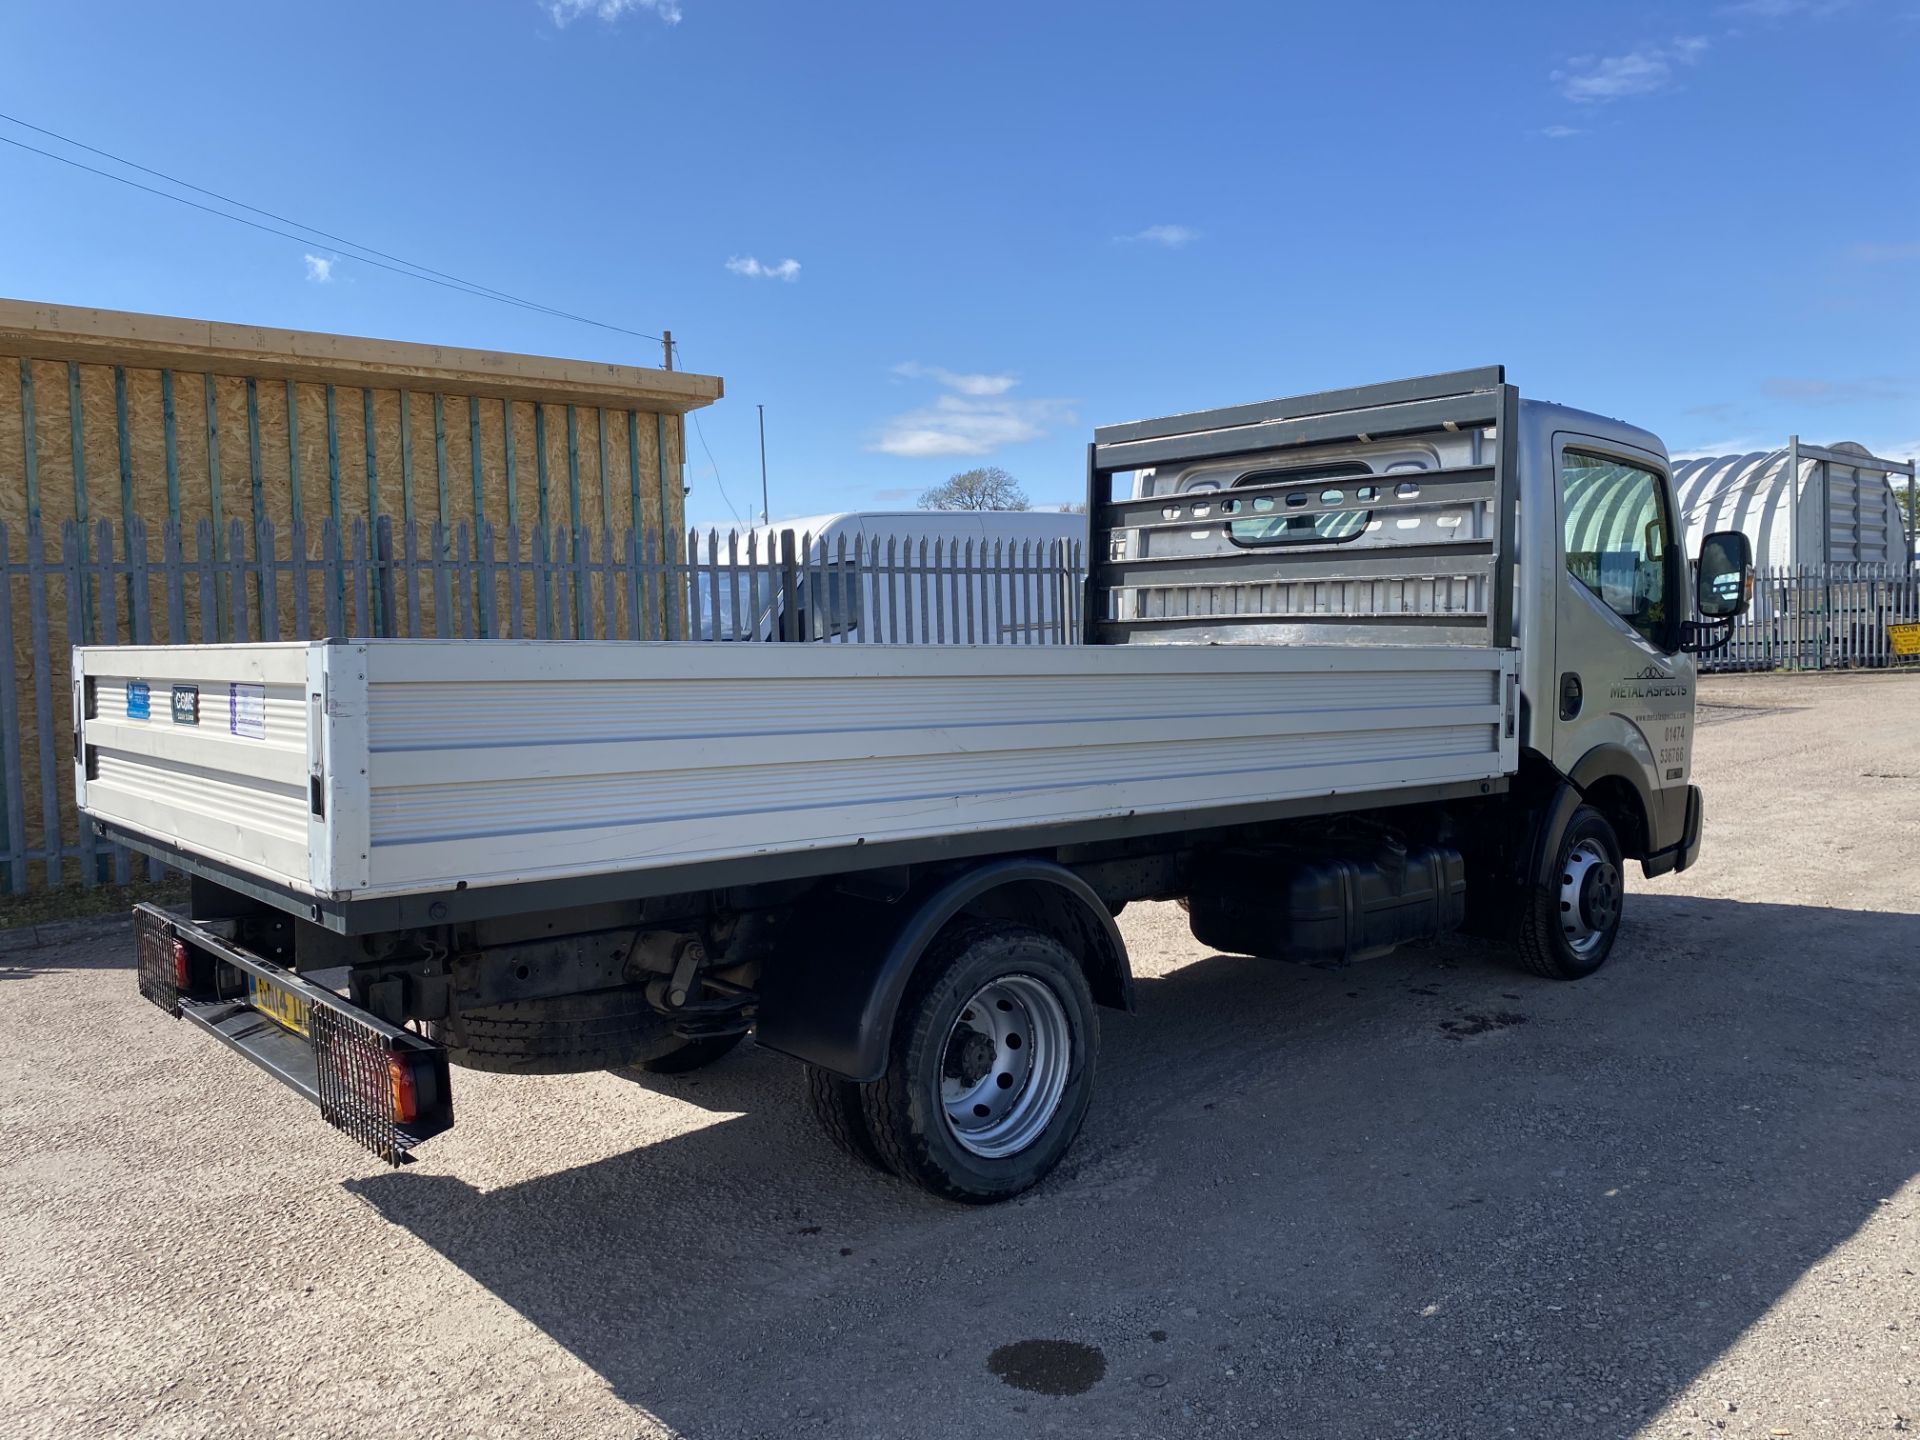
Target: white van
x,y
936,576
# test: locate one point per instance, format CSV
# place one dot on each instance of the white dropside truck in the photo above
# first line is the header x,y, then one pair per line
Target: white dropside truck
x,y
1359,668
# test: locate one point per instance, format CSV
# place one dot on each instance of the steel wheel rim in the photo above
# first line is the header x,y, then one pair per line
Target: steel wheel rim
x,y
1004,1066
1589,897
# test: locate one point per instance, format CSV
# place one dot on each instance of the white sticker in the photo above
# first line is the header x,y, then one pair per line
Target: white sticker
x,y
247,711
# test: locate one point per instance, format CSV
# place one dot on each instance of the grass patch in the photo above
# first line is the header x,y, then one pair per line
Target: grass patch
x,y
74,902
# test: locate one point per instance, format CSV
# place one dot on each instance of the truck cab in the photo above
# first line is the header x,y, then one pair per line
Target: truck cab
x,y
1395,537
1607,663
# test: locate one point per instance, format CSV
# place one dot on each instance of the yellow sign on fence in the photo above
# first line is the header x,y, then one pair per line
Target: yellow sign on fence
x,y
1905,639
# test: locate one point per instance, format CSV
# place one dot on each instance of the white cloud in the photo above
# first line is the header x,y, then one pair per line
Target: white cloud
x,y
1872,253
319,269
1170,237
565,12
1596,79
976,417
1896,450
966,384
1562,132
1803,390
1782,9
788,270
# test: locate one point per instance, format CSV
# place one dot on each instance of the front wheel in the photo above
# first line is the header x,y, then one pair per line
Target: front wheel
x,y
1565,929
991,1067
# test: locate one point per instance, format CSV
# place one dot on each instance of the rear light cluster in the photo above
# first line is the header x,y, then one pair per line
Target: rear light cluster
x,y
402,1091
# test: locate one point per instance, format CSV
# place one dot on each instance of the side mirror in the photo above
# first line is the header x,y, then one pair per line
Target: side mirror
x,y
1721,580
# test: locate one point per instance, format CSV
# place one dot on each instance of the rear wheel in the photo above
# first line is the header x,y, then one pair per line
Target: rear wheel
x,y
991,1067
1565,929
836,1107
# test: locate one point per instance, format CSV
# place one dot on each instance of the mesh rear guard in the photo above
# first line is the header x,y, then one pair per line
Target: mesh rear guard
x,y
153,958
356,1093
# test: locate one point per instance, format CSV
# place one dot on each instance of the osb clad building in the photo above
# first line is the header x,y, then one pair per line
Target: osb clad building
x,y
167,479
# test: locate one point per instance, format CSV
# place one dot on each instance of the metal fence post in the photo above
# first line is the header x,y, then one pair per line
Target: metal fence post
x,y
13,810
789,620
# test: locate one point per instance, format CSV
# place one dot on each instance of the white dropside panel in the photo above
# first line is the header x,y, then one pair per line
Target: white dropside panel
x,y
200,746
496,761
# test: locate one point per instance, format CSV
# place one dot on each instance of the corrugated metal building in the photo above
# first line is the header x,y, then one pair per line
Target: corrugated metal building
x,y
1801,504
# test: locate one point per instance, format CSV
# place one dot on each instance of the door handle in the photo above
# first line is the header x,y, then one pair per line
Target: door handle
x,y
1571,696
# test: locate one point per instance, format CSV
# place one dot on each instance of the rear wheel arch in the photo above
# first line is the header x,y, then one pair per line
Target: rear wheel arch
x,y
838,1008
1058,903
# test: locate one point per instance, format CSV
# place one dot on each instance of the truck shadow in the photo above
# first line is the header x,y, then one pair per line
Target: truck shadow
x,y
1424,1186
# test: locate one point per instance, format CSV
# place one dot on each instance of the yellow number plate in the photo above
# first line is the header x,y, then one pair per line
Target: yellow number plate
x,y
282,1007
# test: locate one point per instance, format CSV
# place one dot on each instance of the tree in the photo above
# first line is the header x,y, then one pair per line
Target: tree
x,y
986,488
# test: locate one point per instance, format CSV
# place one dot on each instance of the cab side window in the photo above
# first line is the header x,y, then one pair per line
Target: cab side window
x,y
1617,535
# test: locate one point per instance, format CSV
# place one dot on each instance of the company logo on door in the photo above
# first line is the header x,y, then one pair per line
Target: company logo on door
x,y
1652,683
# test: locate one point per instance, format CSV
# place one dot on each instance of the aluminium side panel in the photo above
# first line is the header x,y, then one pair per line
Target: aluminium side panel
x,y
502,762
201,746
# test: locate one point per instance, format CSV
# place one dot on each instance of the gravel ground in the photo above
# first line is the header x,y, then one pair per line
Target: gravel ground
x,y
1420,1197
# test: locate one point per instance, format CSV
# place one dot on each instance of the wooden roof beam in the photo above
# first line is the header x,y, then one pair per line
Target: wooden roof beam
x,y
113,337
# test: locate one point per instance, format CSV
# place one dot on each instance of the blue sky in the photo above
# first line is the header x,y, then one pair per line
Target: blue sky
x,y
932,236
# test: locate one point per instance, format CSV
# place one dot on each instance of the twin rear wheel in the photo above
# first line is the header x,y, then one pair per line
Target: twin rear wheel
x,y
989,1073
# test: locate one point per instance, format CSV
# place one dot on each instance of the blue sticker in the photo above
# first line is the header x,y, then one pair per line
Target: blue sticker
x,y
139,700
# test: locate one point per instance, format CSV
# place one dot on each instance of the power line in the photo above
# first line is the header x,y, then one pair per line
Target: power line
x,y
713,464
410,269
255,209
711,461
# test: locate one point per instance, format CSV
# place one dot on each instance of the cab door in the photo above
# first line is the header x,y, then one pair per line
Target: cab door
x,y
1623,697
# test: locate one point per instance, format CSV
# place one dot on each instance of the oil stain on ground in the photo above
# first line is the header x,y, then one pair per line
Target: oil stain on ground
x,y
1049,1367
1471,1024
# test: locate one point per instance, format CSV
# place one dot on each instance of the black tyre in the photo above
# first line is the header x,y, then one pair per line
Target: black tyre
x,y
560,1034
686,1055
991,1066
836,1105
1565,929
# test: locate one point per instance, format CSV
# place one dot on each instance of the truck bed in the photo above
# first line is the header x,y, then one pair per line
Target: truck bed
x,y
348,771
